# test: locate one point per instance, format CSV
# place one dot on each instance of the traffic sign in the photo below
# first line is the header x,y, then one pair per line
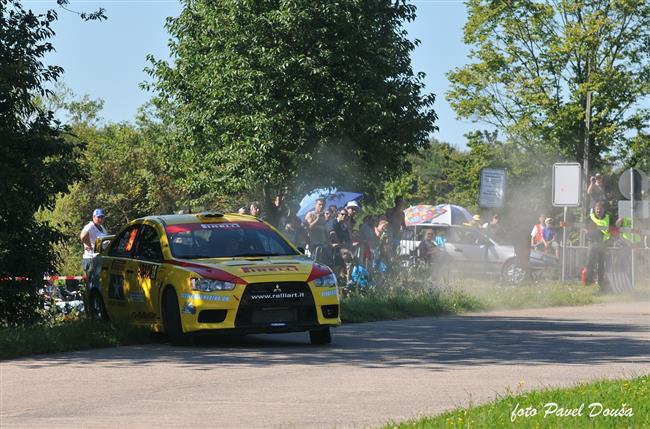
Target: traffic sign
x,y
640,183
566,184
492,188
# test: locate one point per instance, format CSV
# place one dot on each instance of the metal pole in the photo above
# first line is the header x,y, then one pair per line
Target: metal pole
x,y
585,155
632,223
564,245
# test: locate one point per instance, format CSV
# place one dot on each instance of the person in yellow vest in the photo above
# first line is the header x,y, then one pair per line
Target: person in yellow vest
x,y
630,237
598,234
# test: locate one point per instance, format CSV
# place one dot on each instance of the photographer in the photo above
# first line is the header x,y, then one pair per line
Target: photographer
x,y
596,190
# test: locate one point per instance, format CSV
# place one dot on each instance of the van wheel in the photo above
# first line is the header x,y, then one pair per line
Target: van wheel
x,y
320,336
172,319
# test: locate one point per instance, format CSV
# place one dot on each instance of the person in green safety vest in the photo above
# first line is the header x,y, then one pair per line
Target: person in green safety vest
x,y
598,235
628,236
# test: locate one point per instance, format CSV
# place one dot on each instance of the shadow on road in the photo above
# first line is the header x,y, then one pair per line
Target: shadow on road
x,y
433,343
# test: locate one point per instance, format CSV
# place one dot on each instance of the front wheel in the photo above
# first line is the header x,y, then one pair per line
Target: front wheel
x,y
513,273
97,310
320,336
172,319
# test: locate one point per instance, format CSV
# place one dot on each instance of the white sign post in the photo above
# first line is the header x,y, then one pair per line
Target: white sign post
x,y
566,193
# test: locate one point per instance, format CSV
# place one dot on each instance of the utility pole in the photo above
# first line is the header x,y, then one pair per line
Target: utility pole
x,y
585,160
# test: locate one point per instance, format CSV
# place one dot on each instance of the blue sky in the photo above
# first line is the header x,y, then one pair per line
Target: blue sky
x,y
106,60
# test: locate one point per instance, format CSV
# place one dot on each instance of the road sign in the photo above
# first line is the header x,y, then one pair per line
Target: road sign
x,y
640,183
641,209
566,184
492,189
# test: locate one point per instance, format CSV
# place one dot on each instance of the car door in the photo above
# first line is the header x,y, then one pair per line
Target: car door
x,y
143,276
117,272
468,248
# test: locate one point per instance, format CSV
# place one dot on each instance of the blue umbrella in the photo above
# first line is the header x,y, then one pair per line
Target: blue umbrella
x,y
332,197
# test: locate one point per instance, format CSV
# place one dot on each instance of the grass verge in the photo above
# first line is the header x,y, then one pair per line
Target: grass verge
x,y
404,304
599,404
74,334
427,299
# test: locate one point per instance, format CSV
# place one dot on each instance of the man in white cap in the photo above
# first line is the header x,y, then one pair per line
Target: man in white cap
x,y
352,208
91,232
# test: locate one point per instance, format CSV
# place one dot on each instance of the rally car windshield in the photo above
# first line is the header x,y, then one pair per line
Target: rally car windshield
x,y
225,239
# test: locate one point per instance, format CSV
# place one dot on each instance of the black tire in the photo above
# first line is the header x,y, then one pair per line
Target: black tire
x,y
96,307
513,273
320,336
172,319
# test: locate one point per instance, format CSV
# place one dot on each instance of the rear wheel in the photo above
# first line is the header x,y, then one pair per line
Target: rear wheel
x,y
97,310
320,336
172,319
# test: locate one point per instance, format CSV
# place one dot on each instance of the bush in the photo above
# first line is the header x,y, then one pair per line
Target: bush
x,y
19,303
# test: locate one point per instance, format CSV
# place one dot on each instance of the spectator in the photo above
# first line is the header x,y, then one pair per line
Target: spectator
x,y
338,230
241,210
493,228
91,232
330,214
276,213
369,239
596,190
440,238
627,234
396,222
598,234
293,228
256,210
549,238
474,222
536,234
352,207
427,249
316,225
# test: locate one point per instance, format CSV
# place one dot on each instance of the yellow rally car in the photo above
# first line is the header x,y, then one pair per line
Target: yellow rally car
x,y
183,274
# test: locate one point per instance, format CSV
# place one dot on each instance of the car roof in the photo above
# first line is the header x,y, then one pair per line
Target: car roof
x,y
203,217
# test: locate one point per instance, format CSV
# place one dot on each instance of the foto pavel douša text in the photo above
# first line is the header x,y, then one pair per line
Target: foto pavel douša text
x,y
591,410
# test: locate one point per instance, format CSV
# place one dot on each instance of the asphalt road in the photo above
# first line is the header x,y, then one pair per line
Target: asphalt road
x,y
372,373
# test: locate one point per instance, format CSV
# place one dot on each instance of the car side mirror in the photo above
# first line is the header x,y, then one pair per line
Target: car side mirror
x,y
104,242
301,249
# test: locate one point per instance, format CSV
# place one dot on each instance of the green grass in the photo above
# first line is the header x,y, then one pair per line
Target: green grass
x,y
420,298
70,335
624,396
546,294
401,304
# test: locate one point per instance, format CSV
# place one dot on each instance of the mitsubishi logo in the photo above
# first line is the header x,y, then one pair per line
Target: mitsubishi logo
x,y
277,289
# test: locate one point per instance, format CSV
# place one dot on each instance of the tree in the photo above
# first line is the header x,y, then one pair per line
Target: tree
x,y
35,161
271,95
126,173
537,62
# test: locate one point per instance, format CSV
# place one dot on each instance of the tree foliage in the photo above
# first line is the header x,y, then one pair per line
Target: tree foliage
x,y
535,61
126,173
36,162
291,94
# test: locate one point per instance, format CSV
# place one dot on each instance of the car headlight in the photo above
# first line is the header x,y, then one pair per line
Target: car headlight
x,y
206,285
328,280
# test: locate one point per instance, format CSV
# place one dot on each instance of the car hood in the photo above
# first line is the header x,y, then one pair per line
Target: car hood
x,y
248,270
